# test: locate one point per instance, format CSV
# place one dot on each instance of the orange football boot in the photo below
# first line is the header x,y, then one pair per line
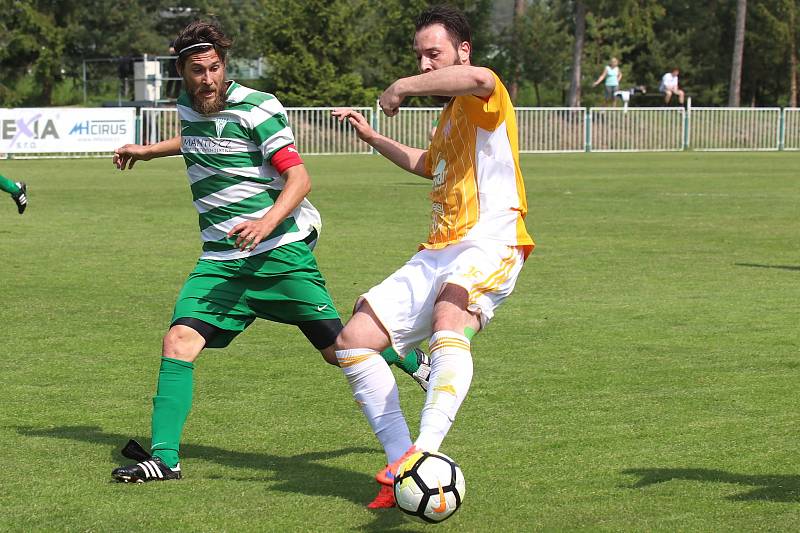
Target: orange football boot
x,y
386,475
384,499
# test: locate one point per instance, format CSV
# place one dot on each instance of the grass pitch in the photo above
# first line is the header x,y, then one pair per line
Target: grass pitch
x,y
644,375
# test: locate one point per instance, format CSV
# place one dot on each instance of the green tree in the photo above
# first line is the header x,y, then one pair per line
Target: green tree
x,y
42,48
241,19
536,48
388,27
770,48
31,48
310,49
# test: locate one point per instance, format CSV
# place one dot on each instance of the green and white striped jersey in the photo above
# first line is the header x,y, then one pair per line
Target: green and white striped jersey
x,y
228,158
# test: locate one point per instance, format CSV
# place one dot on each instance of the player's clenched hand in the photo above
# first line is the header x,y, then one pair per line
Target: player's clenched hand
x,y
390,100
250,233
126,156
357,120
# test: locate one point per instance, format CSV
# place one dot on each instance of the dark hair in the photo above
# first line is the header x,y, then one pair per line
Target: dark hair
x,y
453,20
201,32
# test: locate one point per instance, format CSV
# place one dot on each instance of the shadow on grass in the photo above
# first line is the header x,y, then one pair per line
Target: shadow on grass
x,y
774,488
302,474
779,267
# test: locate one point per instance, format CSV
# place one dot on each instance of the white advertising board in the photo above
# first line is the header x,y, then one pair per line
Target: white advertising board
x,y
66,129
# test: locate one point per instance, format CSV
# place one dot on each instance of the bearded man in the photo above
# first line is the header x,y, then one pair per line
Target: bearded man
x,y
477,244
249,186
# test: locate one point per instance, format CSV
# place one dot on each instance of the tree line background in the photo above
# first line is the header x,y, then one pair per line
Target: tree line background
x,y
345,52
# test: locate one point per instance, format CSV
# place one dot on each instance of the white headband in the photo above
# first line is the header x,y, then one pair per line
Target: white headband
x,y
194,46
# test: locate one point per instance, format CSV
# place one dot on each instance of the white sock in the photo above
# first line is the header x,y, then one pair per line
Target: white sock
x,y
451,374
375,390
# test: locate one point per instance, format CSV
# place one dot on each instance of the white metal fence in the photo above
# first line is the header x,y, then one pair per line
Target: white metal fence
x,y
636,129
158,124
559,129
629,129
540,129
728,129
315,131
551,129
790,133
411,126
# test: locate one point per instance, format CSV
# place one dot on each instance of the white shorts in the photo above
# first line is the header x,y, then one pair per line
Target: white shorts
x,y
404,301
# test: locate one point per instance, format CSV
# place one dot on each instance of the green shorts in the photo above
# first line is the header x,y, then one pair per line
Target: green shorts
x,y
282,285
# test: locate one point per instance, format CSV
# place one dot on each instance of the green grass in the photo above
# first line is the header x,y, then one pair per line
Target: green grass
x,y
644,375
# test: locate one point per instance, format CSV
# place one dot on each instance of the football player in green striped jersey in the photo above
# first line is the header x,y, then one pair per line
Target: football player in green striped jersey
x,y
249,186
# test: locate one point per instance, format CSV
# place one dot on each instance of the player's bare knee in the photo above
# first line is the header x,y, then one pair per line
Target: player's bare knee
x,y
459,321
346,340
363,330
182,343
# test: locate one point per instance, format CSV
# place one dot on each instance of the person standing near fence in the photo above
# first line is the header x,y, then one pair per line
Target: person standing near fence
x,y
475,250
18,191
249,186
612,76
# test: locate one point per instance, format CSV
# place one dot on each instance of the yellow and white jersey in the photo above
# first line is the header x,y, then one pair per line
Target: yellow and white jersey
x,y
478,190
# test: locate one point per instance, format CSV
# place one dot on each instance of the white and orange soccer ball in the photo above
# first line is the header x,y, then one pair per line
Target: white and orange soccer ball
x,y
429,486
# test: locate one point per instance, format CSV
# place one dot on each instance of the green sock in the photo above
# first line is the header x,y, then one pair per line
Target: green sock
x,y
8,186
171,406
409,363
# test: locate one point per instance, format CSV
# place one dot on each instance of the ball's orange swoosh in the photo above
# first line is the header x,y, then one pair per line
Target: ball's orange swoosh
x,y
442,503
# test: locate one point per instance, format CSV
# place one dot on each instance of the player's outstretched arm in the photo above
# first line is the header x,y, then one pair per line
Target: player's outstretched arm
x,y
457,80
125,156
405,157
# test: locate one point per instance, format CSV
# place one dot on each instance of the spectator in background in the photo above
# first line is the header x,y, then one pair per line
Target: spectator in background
x,y
612,76
669,86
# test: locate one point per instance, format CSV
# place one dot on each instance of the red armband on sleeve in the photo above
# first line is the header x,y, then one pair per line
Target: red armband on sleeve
x,y
286,158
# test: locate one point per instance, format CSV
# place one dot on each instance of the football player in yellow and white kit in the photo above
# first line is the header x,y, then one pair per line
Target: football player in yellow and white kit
x,y
475,250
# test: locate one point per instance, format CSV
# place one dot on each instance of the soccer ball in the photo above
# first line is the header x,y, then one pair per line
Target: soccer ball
x,y
429,486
